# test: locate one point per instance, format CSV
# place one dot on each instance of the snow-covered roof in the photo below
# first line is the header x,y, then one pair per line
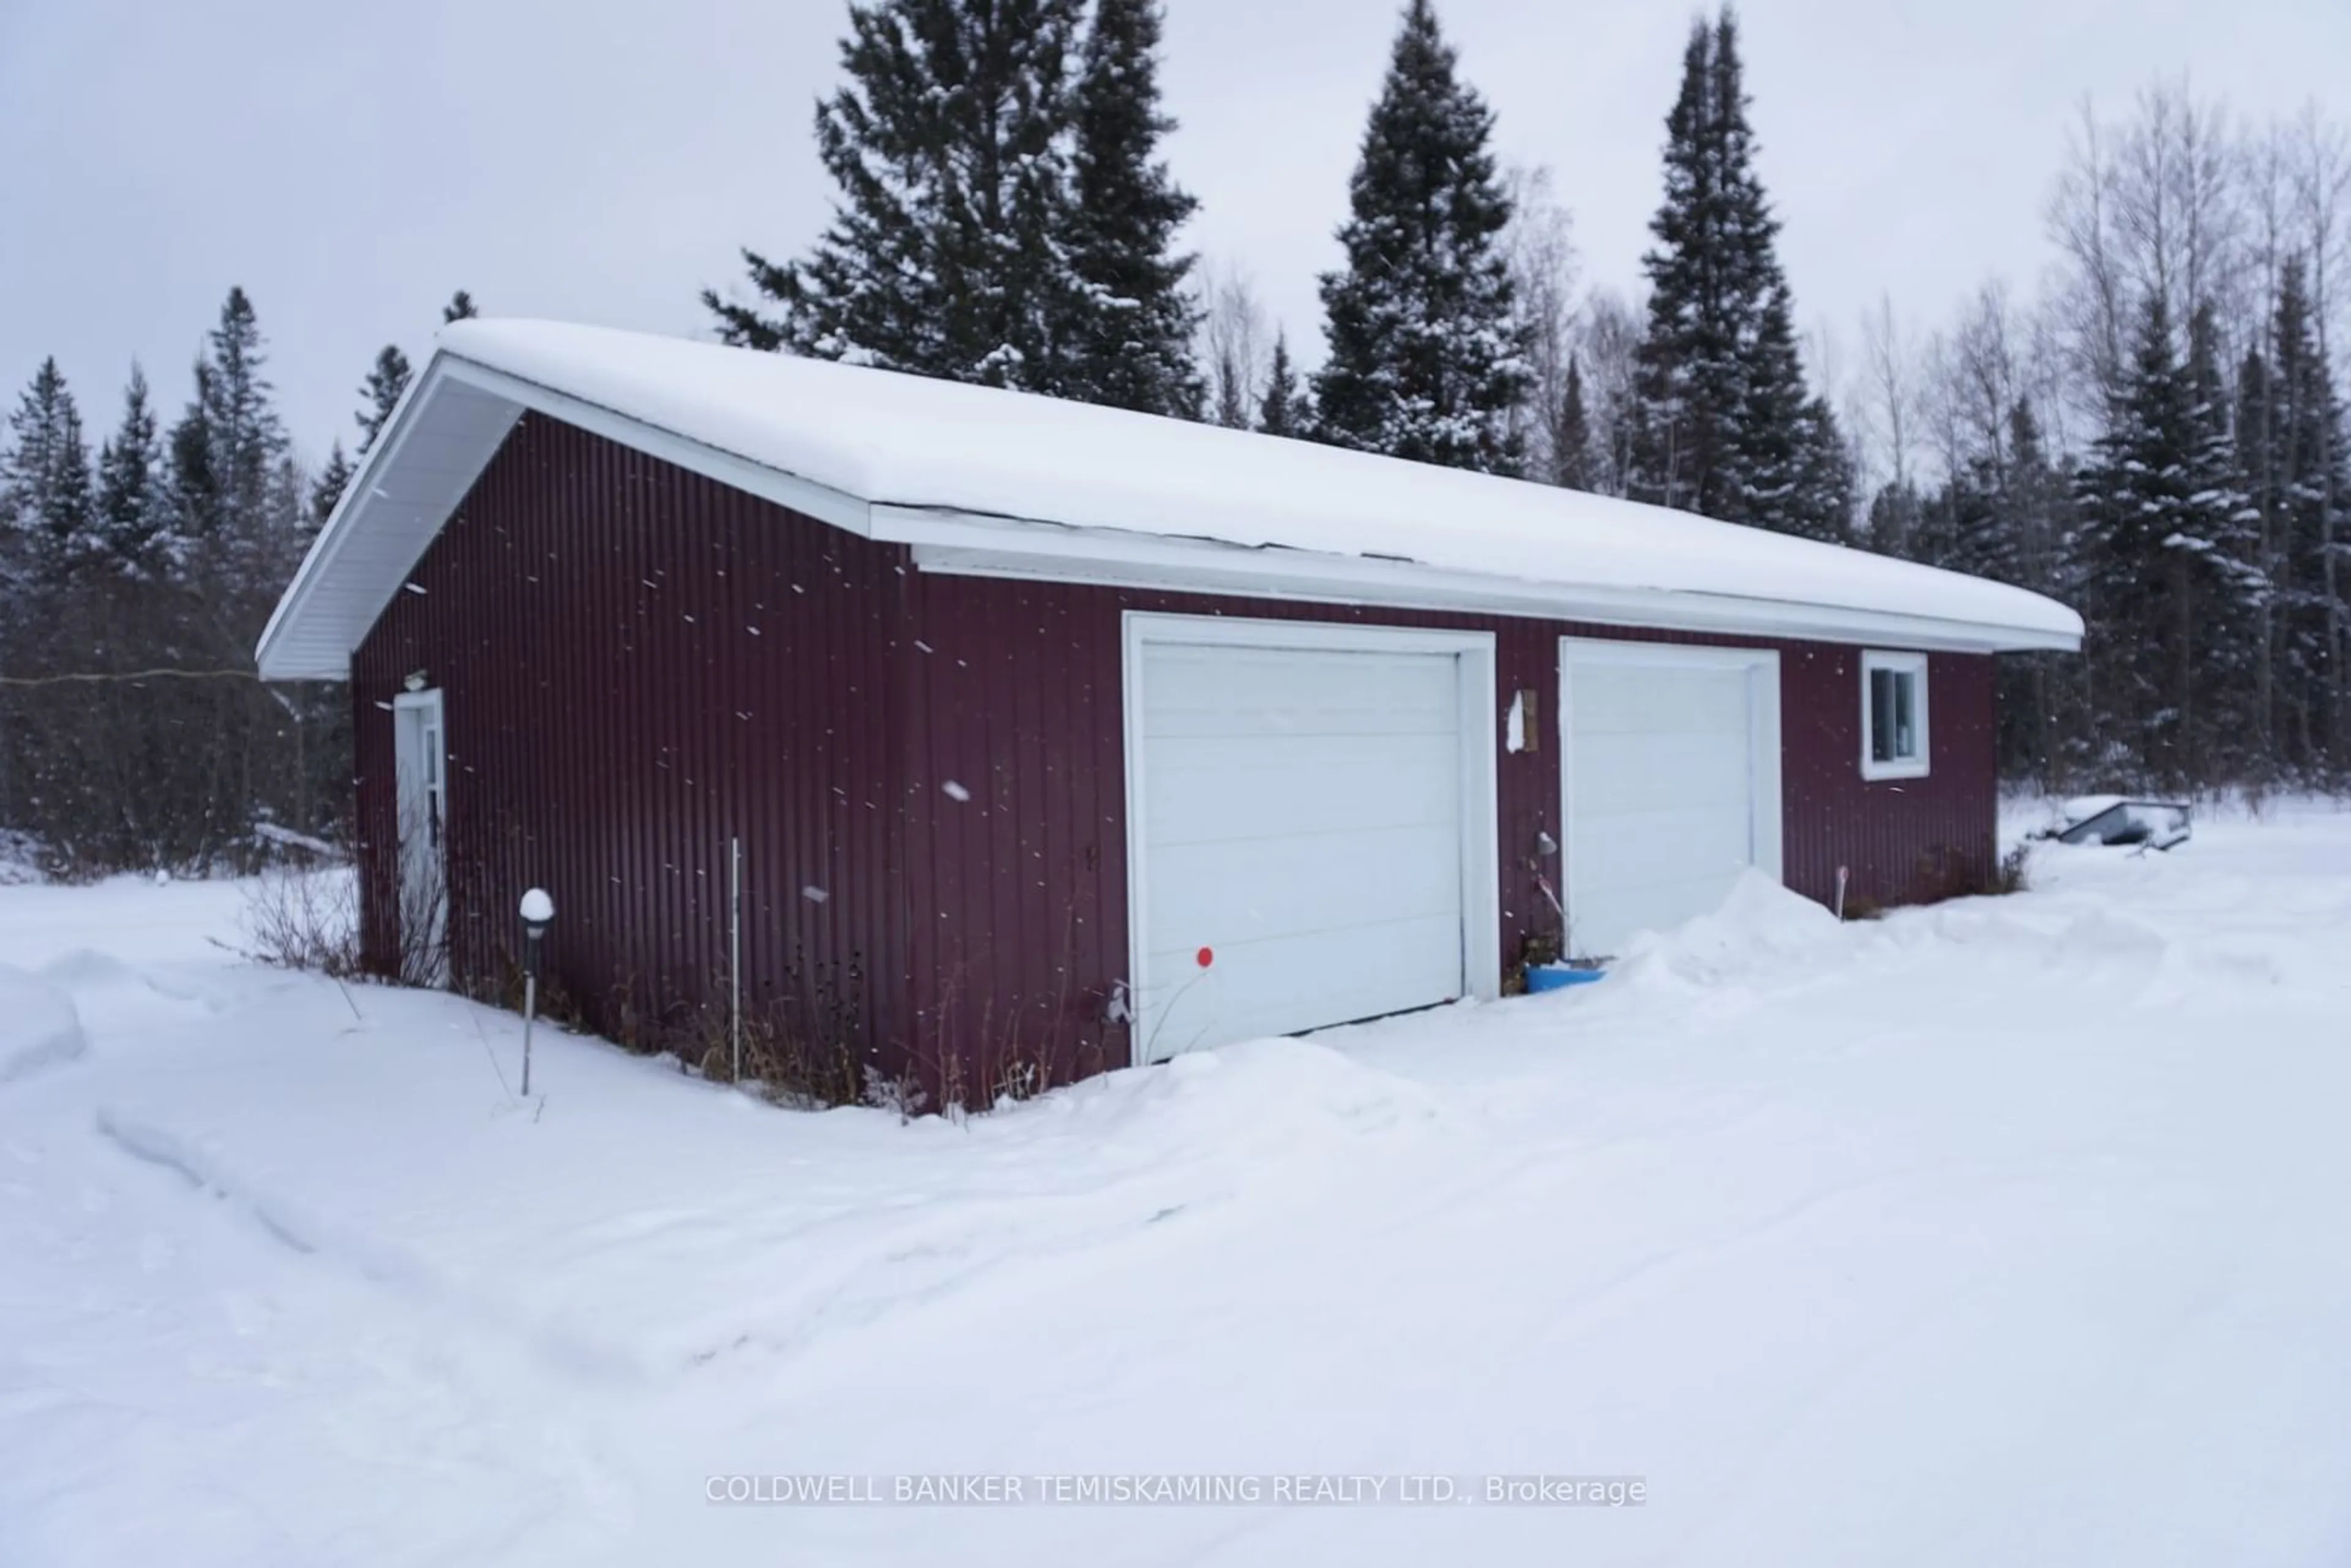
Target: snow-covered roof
x,y
984,482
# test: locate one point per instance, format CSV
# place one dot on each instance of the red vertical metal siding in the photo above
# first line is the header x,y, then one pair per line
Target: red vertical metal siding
x,y
640,662
990,979
1905,840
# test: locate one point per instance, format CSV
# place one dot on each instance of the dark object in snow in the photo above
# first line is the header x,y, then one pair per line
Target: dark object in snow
x,y
2111,820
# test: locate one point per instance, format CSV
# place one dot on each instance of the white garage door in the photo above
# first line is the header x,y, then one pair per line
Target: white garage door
x,y
1672,780
1298,815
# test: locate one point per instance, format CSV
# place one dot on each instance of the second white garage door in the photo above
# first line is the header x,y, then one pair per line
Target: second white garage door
x,y
1301,815
1671,775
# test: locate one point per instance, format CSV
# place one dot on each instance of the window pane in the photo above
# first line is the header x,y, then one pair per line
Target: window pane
x,y
1881,715
1906,726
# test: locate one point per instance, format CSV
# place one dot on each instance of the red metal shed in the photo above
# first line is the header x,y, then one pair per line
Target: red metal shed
x,y
1057,737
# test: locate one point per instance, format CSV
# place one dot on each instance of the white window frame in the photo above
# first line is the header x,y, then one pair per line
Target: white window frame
x,y
1914,665
1481,898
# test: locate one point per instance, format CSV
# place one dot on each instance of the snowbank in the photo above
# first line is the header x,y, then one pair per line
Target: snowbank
x,y
1995,1232
1761,928
39,1026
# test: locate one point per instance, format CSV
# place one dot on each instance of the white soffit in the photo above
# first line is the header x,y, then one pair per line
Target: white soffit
x,y
433,447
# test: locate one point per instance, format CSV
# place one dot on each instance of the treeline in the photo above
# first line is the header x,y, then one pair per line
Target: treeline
x,y
2156,436
2157,439
134,581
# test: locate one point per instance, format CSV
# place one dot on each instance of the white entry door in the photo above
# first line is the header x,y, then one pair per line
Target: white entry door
x,y
1310,826
1670,771
420,765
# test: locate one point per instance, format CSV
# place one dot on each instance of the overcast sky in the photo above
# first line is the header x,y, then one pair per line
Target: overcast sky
x,y
599,161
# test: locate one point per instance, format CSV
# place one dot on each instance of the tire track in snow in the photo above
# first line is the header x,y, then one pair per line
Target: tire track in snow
x,y
387,1269
45,1026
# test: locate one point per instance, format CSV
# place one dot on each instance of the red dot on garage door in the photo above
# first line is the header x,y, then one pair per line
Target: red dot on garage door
x,y
1207,956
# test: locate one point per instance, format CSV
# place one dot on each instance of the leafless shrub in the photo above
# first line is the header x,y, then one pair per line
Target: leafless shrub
x,y
900,1094
419,950
801,1065
305,918
2013,873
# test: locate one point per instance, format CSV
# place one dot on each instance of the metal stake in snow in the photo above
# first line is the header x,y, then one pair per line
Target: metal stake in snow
x,y
538,912
735,954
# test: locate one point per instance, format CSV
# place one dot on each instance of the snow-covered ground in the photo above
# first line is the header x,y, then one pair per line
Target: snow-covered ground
x,y
2012,1232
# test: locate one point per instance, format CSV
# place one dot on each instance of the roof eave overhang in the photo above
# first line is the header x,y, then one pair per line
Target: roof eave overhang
x,y
302,640
306,640
396,505
957,544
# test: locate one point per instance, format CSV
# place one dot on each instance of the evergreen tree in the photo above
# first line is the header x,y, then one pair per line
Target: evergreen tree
x,y
247,440
947,254
2260,471
459,308
132,525
1821,484
1425,360
1724,425
2036,690
1284,409
1571,443
2036,497
386,381
1894,514
45,484
2292,458
1232,408
326,490
2164,587
193,487
2217,561
1131,339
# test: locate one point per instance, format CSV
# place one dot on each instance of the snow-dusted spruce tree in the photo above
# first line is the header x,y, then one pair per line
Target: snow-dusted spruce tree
x,y
948,254
192,491
2222,581
1571,435
1425,360
2292,453
387,378
1791,469
132,529
1130,327
242,551
45,484
1284,409
2166,586
2025,528
1724,424
1706,298
459,308
327,489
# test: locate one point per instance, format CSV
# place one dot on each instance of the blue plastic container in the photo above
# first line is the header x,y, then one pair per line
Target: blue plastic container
x,y
1558,976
